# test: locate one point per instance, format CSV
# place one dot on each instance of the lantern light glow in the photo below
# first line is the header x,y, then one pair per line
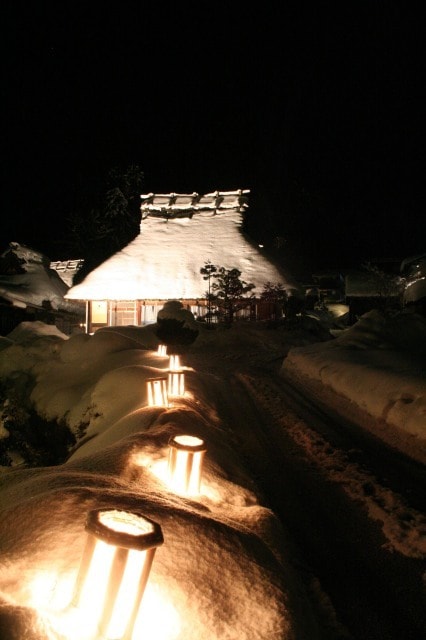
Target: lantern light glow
x,y
114,570
186,455
162,350
174,363
176,383
157,392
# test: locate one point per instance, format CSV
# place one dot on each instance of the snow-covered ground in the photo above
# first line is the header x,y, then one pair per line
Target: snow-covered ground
x,y
379,365
224,570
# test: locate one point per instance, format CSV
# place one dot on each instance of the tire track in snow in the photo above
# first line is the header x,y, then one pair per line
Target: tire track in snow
x,y
403,526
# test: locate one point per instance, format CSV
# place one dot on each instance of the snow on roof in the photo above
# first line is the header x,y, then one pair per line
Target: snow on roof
x,y
164,261
25,255
360,284
67,269
175,202
415,290
417,261
414,271
34,283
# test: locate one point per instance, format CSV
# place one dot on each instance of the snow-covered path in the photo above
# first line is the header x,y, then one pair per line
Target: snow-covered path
x,y
357,544
324,546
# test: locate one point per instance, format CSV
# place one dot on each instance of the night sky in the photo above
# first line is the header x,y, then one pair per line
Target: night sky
x,y
316,108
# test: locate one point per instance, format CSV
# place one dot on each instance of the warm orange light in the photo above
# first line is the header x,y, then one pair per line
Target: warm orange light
x,y
162,350
174,363
114,571
157,392
186,454
176,383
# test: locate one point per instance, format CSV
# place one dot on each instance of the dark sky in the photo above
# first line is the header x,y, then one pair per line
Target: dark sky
x,y
316,108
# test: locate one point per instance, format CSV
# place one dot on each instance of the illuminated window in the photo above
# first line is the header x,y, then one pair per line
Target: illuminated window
x,y
99,312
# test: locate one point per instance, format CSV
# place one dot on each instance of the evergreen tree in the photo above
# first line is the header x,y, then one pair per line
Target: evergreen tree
x,y
107,221
130,181
207,272
229,293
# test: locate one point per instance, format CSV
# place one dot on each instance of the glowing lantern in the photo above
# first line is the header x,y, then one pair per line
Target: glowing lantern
x,y
186,454
174,363
176,383
114,570
162,350
157,392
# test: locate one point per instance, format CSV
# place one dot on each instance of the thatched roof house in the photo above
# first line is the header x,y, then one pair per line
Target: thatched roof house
x,y
30,289
179,234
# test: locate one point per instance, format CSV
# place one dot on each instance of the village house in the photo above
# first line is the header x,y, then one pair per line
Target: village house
x,y
413,269
179,235
32,289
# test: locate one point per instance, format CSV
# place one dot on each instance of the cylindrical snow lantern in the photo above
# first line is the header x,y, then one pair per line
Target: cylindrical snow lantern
x,y
186,454
114,571
174,363
157,392
162,350
176,383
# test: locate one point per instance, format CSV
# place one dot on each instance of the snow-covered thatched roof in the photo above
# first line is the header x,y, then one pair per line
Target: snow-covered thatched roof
x,y
163,262
27,281
175,203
